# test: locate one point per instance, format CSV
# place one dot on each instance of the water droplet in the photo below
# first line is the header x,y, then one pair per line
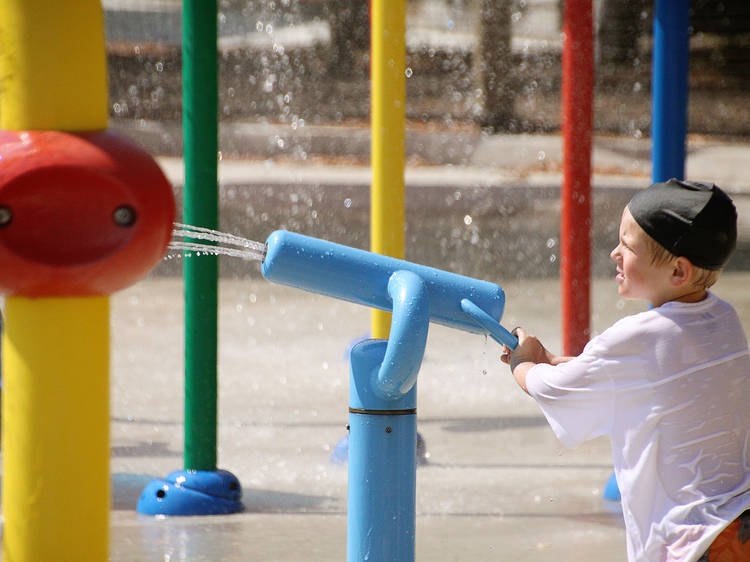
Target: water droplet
x,y
468,220
409,72
541,155
347,202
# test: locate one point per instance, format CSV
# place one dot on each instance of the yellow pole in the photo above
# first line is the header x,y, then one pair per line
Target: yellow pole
x,y
54,68
388,60
55,429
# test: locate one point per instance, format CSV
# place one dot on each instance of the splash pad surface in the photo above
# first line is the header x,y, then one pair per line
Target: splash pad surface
x,y
497,484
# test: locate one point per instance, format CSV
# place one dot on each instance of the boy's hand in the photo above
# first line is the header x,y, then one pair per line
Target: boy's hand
x,y
528,353
529,350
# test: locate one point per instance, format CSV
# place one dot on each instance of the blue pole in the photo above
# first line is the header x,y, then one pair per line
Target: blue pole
x,y
669,89
381,502
381,508
669,95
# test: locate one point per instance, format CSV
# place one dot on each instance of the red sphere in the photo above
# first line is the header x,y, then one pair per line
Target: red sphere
x,y
80,214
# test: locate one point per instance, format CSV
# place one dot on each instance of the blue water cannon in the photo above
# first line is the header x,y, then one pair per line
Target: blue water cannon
x,y
382,282
382,395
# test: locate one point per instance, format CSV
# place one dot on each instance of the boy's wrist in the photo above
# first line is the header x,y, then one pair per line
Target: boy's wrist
x,y
518,358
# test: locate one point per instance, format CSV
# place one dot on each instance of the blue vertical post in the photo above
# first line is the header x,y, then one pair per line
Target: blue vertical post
x,y
381,502
669,89
669,95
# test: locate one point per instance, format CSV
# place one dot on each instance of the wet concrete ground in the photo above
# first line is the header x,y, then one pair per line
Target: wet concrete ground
x,y
498,486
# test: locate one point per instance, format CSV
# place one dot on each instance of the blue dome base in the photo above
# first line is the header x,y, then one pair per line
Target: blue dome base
x,y
192,492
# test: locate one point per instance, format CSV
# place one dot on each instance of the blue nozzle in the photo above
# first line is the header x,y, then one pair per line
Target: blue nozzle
x,y
496,330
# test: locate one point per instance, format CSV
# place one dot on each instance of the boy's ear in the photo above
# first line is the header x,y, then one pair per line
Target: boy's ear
x,y
682,272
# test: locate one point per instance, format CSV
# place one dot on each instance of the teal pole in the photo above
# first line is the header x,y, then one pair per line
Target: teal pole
x,y
201,208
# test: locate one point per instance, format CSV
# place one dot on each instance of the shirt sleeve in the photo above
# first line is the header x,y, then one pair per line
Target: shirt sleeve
x,y
576,397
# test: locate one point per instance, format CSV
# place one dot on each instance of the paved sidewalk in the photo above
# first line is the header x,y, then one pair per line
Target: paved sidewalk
x,y
460,156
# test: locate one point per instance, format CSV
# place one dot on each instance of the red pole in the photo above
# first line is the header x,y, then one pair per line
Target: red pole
x,y
575,223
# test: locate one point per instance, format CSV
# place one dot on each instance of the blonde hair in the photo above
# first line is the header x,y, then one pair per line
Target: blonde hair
x,y
704,278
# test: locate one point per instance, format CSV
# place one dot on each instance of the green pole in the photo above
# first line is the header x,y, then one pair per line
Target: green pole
x,y
201,208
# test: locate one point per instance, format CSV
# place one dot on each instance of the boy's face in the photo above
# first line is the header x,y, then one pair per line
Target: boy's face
x,y
637,277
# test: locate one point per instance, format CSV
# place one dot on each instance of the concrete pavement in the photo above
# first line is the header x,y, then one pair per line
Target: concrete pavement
x,y
444,155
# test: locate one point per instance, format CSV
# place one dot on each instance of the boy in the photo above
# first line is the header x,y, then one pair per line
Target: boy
x,y
669,386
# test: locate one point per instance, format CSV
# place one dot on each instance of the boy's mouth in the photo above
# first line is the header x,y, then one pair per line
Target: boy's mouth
x,y
620,275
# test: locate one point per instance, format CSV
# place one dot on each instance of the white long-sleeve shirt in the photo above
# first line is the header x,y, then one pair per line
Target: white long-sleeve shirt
x,y
671,389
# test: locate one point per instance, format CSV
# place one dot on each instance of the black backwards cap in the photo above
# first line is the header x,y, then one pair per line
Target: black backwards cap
x,y
694,220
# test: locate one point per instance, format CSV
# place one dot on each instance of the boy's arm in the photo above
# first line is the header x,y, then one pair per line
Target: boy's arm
x,y
557,359
519,373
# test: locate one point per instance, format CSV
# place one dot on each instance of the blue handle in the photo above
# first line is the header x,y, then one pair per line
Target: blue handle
x,y
496,330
